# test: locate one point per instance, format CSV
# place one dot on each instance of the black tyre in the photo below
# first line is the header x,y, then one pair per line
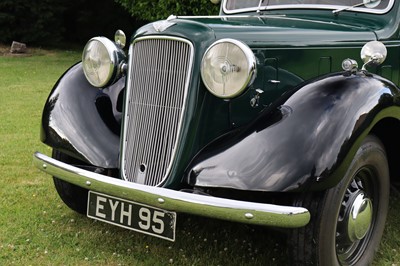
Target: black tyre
x,y
347,221
73,196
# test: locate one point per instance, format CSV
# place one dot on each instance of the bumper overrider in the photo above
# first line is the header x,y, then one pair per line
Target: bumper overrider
x,y
171,200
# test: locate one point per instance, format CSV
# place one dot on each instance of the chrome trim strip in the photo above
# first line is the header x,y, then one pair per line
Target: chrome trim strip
x,y
219,208
172,17
306,6
185,86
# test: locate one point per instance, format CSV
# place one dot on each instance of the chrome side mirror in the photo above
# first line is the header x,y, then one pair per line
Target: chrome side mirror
x,y
216,2
373,54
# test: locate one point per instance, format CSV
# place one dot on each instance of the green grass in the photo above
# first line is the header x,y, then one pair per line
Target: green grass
x,y
36,228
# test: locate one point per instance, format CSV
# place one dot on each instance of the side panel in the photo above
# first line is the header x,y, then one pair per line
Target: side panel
x,y
299,141
72,123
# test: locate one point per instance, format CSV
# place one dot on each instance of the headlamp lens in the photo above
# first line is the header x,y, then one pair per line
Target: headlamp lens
x,y
99,61
228,68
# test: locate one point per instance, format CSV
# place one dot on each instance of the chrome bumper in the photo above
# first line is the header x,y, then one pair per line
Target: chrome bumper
x,y
219,208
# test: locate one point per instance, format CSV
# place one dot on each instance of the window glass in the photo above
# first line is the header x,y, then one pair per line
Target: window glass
x,y
326,4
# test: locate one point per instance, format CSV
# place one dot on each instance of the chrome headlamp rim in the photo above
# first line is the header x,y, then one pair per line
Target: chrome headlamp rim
x,y
116,57
251,66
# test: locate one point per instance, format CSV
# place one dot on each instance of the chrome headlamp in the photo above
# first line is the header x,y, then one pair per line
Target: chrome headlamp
x,y
228,68
101,61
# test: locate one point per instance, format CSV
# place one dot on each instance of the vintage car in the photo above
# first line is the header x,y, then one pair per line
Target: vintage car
x,y
276,113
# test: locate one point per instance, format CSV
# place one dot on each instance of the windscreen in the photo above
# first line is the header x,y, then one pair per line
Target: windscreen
x,y
373,6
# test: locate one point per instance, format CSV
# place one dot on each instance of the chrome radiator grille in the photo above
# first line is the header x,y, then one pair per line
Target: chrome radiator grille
x,y
157,86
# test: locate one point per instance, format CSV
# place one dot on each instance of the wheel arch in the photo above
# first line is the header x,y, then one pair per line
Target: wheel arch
x,y
78,120
305,142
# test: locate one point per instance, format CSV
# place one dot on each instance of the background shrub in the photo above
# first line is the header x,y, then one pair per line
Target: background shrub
x,y
31,21
61,22
161,9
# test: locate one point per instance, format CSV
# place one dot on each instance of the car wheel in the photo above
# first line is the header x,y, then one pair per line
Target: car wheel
x,y
73,196
347,221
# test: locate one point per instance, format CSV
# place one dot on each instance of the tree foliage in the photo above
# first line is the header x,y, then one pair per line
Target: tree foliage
x,y
54,22
31,21
85,19
161,9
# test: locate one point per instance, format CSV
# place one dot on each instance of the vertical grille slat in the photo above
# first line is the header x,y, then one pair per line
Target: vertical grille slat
x,y
157,87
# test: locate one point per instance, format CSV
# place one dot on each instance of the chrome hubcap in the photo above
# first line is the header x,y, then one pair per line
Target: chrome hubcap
x,y
359,218
356,219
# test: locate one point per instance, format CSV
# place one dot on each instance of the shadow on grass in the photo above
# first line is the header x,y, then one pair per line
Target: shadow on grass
x,y
199,241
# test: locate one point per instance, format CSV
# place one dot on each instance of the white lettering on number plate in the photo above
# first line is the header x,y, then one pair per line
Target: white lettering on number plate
x,y
132,215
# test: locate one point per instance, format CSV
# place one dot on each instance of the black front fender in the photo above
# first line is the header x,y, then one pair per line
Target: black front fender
x,y
299,141
74,123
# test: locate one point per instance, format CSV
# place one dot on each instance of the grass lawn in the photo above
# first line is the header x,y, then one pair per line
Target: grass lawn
x,y
36,228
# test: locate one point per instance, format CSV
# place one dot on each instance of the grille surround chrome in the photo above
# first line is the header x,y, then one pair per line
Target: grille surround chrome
x,y
131,159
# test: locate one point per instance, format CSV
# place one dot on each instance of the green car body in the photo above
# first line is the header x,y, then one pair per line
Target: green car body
x,y
302,138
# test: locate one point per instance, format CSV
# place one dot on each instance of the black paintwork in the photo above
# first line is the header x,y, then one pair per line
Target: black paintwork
x,y
72,124
301,140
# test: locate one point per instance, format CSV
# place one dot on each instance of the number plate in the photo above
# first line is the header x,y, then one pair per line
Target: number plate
x,y
132,215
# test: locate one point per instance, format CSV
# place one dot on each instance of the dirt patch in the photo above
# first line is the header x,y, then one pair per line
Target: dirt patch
x,y
5,51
